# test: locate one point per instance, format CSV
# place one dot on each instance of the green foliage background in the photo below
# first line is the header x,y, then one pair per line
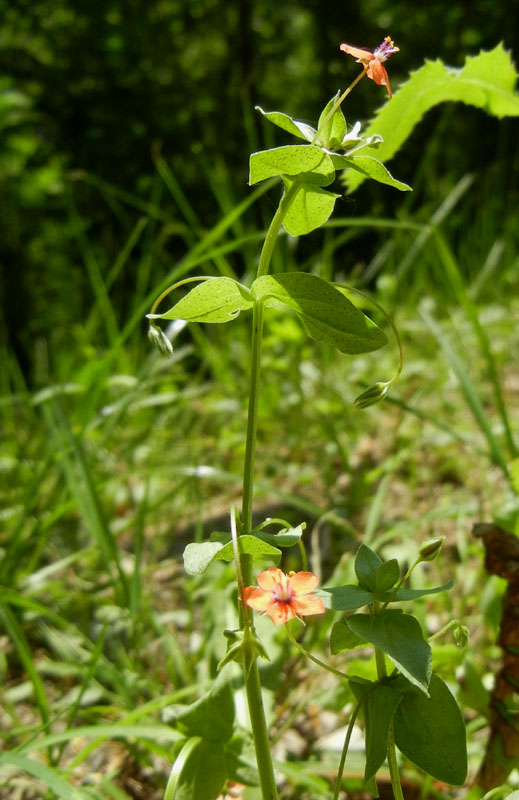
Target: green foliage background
x,y
97,91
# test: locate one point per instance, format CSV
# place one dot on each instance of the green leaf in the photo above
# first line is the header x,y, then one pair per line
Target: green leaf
x,y
367,562
431,733
311,206
198,555
486,81
214,300
344,598
334,131
199,771
294,126
400,637
413,594
287,537
387,575
211,717
372,168
327,315
292,160
343,639
378,709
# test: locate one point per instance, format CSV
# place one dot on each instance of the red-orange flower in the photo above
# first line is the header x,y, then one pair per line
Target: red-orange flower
x,y
373,62
284,597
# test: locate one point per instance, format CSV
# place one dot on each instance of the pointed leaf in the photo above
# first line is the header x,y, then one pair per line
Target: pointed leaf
x,y
292,160
199,555
199,771
486,81
413,594
370,167
343,639
333,131
309,209
344,598
211,717
294,126
400,637
367,562
378,709
214,300
431,733
328,316
387,575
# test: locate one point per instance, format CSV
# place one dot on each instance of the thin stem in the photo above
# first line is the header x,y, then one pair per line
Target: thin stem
x,y
274,228
260,732
340,769
252,421
336,105
316,660
393,765
250,668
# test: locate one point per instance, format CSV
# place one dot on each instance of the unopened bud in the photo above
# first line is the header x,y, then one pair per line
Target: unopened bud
x,y
159,340
372,395
430,549
461,635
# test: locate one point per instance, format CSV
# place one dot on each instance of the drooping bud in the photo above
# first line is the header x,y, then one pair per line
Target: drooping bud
x,y
159,340
372,395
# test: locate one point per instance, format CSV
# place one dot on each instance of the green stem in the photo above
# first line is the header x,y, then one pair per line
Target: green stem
x,y
274,228
314,658
336,105
346,745
250,668
260,732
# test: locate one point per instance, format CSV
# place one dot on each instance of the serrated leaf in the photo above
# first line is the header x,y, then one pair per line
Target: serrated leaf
x,y
344,598
370,167
292,160
400,637
311,206
327,315
430,732
294,126
367,562
486,81
214,300
199,555
343,639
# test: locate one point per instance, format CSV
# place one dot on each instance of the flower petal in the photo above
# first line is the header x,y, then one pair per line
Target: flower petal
x,y
307,605
270,578
357,52
280,613
377,72
303,582
257,598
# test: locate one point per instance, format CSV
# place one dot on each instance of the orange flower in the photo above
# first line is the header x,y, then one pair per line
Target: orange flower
x,y
373,62
284,597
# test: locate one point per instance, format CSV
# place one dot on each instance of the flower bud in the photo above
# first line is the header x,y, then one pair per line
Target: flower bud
x,y
430,549
372,395
159,340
